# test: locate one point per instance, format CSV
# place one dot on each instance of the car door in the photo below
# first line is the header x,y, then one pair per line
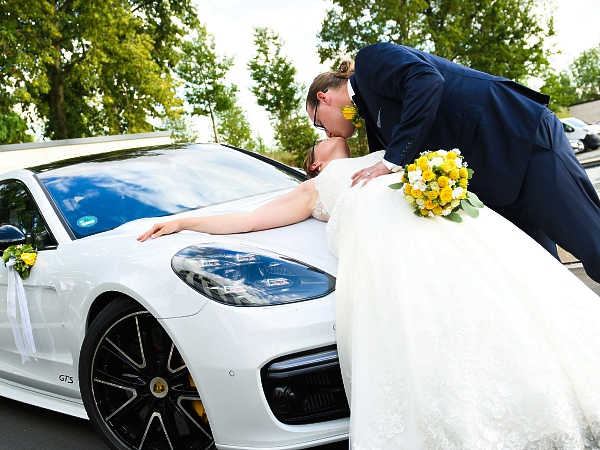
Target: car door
x,y
51,367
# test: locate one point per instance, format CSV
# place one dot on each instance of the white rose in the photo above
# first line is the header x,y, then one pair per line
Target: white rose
x,y
420,202
410,199
455,203
437,161
457,192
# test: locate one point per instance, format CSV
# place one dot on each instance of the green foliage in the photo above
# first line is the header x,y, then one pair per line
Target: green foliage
x,y
276,88
278,92
181,128
235,129
13,129
203,73
502,37
561,90
586,74
296,137
92,68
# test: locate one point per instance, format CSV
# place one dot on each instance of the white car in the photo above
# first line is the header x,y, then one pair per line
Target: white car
x,y
189,341
588,134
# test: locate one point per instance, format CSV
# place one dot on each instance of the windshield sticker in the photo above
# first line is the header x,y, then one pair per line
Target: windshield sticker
x,y
87,221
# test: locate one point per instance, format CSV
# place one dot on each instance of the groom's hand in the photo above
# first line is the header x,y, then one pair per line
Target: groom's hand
x,y
369,173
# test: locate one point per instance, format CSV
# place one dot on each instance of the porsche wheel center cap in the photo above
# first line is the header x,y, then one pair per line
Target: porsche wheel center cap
x,y
159,387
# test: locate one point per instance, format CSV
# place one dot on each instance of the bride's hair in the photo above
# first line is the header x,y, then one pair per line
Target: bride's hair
x,y
329,80
310,158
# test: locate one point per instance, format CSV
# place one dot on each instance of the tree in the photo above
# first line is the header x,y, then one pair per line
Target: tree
x,y
502,37
88,68
181,128
235,129
13,129
280,94
586,74
561,90
203,73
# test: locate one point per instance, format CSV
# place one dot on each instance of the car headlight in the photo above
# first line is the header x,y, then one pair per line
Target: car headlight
x,y
245,276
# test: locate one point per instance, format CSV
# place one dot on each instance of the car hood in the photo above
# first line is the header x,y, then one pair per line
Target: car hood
x,y
116,261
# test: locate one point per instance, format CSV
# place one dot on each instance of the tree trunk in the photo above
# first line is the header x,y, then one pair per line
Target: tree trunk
x,y
58,115
214,124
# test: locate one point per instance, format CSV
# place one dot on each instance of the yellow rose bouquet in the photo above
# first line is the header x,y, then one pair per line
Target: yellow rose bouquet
x,y
24,255
435,184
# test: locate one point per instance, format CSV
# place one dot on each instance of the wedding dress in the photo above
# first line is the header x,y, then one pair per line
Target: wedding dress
x,y
456,335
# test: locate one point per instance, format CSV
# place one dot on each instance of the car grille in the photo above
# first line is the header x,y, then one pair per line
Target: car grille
x,y
306,387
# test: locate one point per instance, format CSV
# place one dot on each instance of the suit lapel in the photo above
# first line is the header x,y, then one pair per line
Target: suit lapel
x,y
373,135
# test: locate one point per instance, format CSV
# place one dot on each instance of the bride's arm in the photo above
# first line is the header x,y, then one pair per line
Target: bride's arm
x,y
293,207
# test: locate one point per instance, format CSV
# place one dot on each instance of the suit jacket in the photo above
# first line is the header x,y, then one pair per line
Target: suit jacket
x,y
413,101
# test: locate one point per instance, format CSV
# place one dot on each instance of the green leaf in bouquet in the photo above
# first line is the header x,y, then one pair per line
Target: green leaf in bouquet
x,y
417,213
474,200
469,209
396,186
470,173
453,217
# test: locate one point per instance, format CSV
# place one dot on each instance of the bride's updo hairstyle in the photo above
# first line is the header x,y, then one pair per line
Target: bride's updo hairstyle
x,y
329,80
310,158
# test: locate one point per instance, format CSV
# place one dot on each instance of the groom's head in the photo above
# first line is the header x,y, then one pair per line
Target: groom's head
x,y
327,94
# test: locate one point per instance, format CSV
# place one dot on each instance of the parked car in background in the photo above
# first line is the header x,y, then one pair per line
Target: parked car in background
x,y
578,129
577,145
190,341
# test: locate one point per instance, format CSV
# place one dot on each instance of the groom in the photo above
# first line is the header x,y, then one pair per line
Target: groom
x,y
525,169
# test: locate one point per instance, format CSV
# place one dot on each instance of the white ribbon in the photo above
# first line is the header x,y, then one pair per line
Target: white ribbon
x,y
24,335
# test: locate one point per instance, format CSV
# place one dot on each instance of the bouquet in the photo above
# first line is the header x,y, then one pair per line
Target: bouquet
x,y
24,255
436,185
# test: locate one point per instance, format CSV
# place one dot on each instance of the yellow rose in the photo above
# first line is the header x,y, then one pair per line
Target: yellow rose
x,y
437,210
442,181
404,179
429,204
28,258
423,163
348,112
424,212
446,194
412,167
416,193
428,175
407,189
451,155
448,165
464,182
463,172
432,195
453,174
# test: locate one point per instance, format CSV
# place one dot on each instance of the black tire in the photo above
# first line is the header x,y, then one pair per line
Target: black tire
x,y
136,388
586,147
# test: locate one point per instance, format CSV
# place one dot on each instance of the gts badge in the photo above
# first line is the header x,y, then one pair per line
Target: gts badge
x,y
65,379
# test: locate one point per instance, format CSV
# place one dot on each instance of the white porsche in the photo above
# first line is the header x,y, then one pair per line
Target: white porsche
x,y
190,341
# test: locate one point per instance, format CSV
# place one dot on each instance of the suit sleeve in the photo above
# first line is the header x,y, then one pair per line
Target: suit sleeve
x,y
395,72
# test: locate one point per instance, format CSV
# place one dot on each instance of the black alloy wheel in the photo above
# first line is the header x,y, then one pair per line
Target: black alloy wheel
x,y
135,386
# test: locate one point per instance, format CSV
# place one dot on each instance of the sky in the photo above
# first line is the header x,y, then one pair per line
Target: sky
x,y
297,22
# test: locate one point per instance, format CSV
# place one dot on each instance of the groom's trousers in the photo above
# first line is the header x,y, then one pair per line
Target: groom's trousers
x,y
557,203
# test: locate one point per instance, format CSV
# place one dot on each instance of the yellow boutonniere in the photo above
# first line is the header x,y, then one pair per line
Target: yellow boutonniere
x,y
351,113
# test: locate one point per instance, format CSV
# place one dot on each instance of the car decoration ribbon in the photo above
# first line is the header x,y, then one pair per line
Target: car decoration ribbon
x,y
16,293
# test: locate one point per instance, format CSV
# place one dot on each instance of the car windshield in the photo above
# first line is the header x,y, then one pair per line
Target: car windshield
x,y
576,122
102,192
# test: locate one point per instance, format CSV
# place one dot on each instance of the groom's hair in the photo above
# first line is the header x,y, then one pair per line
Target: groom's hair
x,y
329,80
310,158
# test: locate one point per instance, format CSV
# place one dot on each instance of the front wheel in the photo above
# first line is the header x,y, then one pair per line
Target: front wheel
x,y
135,386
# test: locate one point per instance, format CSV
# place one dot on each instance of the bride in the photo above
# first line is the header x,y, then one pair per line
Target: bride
x,y
450,336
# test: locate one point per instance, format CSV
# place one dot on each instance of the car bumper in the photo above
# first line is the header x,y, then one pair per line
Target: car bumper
x,y
226,347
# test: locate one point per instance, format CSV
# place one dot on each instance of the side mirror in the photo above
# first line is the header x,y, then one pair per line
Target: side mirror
x,y
10,235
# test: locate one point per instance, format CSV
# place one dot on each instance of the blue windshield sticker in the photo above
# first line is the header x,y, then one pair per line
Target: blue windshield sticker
x,y
87,221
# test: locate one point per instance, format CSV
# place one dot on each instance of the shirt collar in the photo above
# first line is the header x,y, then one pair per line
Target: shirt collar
x,y
350,90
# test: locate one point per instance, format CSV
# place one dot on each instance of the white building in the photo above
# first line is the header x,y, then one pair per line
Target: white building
x,y
18,156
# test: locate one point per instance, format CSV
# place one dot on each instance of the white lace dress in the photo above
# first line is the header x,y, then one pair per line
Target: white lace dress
x,y
456,336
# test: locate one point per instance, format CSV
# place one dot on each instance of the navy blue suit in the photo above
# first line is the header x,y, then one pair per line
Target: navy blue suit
x,y
525,169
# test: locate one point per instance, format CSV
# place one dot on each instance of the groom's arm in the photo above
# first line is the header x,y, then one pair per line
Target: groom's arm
x,y
394,72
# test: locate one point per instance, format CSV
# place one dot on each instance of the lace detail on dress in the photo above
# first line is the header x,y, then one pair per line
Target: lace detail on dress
x,y
319,211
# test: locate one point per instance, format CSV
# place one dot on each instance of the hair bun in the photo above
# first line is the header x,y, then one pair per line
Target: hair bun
x,y
345,69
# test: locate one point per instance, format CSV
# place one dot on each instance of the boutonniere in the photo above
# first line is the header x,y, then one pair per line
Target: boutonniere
x,y
351,113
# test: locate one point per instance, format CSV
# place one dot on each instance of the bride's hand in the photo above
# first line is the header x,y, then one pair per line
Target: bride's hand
x,y
369,173
160,229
